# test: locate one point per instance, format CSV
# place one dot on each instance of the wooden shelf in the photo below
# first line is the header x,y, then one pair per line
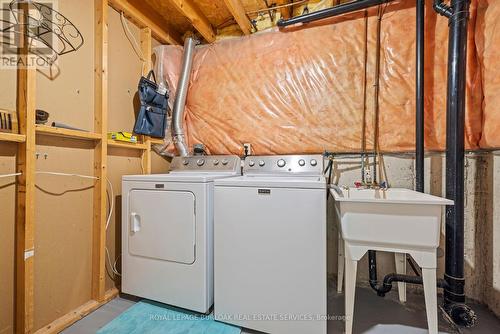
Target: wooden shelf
x,y
67,133
123,144
157,141
12,137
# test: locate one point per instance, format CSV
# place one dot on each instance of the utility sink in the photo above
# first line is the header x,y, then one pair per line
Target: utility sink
x,y
389,217
391,220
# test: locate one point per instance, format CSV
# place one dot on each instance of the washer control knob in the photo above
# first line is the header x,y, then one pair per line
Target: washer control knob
x,y
185,162
262,163
314,162
302,162
281,163
200,162
225,161
251,163
216,162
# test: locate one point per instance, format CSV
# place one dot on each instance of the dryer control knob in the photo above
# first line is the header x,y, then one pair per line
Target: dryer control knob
x,y
302,162
314,162
216,162
185,162
281,163
200,162
251,163
225,161
262,163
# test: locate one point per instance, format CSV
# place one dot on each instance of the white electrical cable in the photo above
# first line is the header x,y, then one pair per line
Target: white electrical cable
x,y
108,221
54,173
66,174
10,175
113,266
111,206
131,38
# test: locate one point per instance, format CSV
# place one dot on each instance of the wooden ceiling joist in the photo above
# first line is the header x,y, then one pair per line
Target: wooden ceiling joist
x,y
284,11
145,17
238,11
196,17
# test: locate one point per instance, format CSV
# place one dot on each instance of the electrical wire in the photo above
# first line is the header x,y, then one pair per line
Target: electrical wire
x,y
112,203
133,41
112,265
291,4
66,174
110,212
108,221
10,175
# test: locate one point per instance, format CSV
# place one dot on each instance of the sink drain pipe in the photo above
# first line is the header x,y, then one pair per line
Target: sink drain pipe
x,y
454,295
386,285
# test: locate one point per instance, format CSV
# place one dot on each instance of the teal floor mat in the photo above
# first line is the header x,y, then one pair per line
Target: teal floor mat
x,y
155,318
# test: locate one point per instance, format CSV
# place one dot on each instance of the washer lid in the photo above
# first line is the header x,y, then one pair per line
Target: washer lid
x,y
302,182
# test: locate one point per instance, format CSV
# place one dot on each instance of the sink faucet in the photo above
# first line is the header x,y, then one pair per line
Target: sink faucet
x,y
372,185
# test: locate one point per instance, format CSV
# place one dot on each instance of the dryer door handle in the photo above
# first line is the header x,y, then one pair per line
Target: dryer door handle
x,y
135,222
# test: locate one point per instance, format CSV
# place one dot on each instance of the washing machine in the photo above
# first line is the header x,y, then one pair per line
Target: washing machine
x,y
270,246
167,231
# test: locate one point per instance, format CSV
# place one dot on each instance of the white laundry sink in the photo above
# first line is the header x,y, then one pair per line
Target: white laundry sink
x,y
389,217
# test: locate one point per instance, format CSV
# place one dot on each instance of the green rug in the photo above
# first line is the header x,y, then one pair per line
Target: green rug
x,y
148,317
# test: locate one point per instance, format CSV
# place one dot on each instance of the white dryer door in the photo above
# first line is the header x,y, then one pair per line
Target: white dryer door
x,y
162,225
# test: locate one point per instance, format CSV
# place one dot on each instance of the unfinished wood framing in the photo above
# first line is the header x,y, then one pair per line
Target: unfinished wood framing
x,y
146,48
25,193
199,21
67,133
101,150
127,145
286,12
239,14
146,18
77,314
12,137
25,211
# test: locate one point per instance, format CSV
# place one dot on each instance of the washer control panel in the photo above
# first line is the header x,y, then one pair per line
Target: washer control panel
x,y
284,165
206,163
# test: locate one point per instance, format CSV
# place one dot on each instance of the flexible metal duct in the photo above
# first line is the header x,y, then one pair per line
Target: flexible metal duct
x,y
180,100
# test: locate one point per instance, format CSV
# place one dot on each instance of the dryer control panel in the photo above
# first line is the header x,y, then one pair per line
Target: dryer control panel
x,y
206,163
284,165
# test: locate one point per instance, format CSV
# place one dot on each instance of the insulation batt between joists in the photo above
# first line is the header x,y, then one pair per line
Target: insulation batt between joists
x,y
300,90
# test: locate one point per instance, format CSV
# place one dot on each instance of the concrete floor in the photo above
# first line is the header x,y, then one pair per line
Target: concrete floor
x,y
373,315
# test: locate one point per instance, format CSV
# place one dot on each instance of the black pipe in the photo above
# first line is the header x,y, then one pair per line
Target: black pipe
x,y
419,140
372,270
332,11
413,265
457,13
419,130
442,9
454,295
392,278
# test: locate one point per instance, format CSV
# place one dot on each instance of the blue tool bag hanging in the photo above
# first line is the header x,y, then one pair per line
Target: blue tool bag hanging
x,y
152,117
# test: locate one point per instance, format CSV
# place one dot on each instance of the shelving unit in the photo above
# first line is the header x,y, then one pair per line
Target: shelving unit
x,y
66,133
131,146
26,141
12,137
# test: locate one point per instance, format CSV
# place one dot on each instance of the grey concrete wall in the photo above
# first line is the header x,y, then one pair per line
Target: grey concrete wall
x,y
482,217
